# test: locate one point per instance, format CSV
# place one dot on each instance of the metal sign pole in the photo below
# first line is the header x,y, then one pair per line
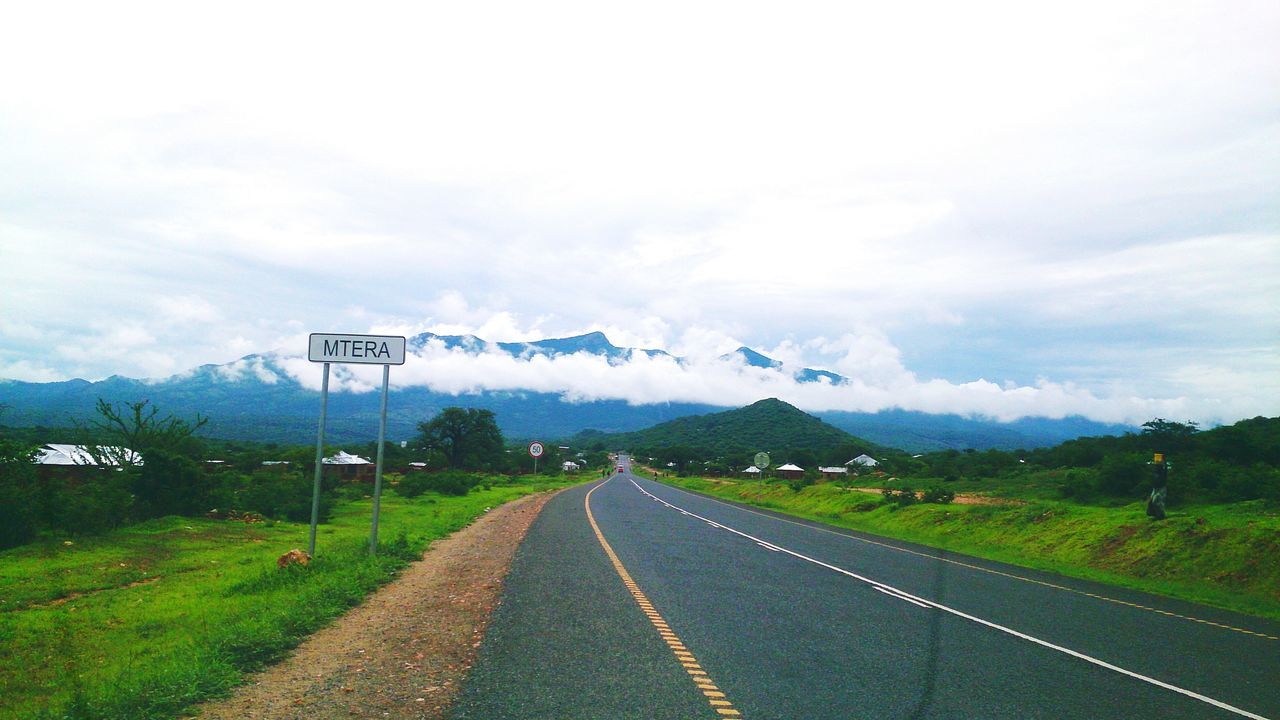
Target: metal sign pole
x,y
315,493
377,481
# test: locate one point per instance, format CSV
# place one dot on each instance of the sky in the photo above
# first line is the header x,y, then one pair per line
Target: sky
x,y
1001,209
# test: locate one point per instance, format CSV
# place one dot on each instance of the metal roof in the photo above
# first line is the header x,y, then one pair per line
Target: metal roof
x,y
56,454
343,458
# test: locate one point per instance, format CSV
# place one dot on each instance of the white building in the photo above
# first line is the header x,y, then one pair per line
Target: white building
x,y
864,460
54,454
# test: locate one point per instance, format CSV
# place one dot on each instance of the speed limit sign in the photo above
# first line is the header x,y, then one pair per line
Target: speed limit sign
x,y
536,449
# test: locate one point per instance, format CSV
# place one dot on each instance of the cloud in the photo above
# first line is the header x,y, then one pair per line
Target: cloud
x,y
877,381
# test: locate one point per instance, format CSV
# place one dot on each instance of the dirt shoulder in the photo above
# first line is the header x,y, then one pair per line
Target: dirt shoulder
x,y
404,651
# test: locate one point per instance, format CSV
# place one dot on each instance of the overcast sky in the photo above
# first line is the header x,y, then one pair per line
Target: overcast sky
x,y
966,207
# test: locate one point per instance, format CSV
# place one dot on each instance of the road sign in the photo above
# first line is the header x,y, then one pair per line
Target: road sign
x,y
362,349
328,348
762,460
536,449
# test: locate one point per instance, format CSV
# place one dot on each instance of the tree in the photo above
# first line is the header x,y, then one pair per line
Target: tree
x,y
468,438
1168,436
165,461
139,427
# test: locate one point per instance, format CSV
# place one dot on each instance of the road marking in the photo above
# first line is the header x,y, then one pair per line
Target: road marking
x,y
682,655
971,566
900,597
923,602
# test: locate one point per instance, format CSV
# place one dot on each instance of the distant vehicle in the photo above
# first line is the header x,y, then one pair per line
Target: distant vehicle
x,y
621,469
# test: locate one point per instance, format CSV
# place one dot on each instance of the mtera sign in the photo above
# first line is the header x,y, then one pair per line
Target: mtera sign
x,y
328,348
365,349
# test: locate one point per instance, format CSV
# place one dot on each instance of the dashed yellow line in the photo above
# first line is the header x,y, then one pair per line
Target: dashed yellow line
x,y
714,695
1055,586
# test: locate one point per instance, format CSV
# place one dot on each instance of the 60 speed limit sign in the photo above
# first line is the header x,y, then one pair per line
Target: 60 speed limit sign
x,y
536,449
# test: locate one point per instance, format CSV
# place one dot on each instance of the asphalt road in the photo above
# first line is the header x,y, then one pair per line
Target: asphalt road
x,y
709,610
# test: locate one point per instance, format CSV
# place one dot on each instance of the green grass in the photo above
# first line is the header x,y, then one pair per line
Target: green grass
x,y
1221,555
144,621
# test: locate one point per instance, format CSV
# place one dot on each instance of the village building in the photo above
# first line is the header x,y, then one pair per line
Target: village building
x,y
790,472
345,467
863,460
834,473
752,472
79,461
569,466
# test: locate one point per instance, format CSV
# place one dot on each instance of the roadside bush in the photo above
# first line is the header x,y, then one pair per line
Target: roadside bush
x,y
1123,475
940,496
100,502
413,484
17,493
800,483
450,482
1078,485
170,484
282,495
899,497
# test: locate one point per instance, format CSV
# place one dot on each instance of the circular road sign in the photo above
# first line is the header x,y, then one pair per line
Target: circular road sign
x,y
536,449
762,460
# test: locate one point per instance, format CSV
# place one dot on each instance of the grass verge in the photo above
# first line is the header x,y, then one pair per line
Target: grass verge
x,y
1221,555
145,621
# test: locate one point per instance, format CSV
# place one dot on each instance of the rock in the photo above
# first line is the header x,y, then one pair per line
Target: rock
x,y
293,557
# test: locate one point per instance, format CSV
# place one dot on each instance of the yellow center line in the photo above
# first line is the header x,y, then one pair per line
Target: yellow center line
x,y
702,681
1055,586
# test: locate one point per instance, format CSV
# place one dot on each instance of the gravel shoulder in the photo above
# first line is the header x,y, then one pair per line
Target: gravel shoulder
x,y
404,651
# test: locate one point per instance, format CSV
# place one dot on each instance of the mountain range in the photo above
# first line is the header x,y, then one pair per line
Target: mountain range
x,y
256,398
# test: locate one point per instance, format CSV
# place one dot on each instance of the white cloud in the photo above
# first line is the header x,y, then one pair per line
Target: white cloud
x,y
876,382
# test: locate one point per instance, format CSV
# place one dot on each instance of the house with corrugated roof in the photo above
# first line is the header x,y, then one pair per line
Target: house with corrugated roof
x,y
346,467
863,460
59,460
790,471
834,473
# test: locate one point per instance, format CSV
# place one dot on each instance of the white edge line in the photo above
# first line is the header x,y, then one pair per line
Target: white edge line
x,y
899,596
995,626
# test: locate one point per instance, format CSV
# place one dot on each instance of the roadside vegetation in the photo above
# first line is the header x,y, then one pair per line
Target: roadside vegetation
x,y
137,590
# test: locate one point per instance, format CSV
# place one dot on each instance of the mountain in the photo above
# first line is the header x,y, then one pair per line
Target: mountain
x,y
919,432
257,398
770,425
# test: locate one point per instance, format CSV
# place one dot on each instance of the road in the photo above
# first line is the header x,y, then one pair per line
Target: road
x,y
632,599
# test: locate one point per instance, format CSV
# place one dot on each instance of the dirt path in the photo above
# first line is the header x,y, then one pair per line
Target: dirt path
x,y
403,652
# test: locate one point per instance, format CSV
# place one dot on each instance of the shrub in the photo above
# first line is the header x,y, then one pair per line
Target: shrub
x,y
899,497
17,492
413,484
1078,485
940,496
800,483
282,495
170,484
450,482
1121,475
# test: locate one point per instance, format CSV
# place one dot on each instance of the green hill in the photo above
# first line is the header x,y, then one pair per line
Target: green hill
x,y
787,433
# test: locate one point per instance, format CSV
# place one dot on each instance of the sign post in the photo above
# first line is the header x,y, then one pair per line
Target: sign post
x,y
536,450
327,348
315,491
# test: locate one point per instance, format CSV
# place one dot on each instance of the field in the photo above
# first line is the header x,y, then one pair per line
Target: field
x,y
144,621
1222,555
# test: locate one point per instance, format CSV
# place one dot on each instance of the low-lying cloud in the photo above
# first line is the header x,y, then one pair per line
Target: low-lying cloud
x,y
876,381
